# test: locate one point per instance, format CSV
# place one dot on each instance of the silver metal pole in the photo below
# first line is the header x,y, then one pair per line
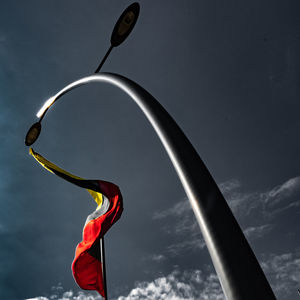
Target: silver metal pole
x,y
238,270
102,253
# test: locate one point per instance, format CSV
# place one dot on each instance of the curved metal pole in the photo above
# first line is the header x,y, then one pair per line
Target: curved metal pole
x,y
238,270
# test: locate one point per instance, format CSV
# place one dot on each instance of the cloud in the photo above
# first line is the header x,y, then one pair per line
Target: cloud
x,y
281,192
188,285
177,210
69,295
282,197
253,232
269,203
229,186
179,220
158,257
37,298
283,272
181,224
58,293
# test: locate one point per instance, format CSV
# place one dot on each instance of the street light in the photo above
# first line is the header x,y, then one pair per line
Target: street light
x,y
122,29
238,270
236,265
33,133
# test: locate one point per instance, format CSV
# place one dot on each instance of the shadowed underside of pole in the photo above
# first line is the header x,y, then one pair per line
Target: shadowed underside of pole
x,y
238,270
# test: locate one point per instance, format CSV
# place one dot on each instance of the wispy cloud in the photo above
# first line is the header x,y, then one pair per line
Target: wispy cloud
x,y
180,221
283,272
177,210
281,192
157,257
242,203
282,197
228,186
253,232
269,203
182,224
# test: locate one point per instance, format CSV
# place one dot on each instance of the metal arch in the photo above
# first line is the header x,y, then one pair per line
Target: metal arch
x,y
238,270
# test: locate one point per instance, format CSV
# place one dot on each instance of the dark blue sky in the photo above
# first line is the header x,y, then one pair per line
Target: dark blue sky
x,y
229,74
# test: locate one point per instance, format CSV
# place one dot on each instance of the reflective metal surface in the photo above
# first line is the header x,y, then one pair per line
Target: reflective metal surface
x,y
239,272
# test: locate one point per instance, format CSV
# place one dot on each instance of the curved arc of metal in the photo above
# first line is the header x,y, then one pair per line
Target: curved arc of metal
x,y
237,267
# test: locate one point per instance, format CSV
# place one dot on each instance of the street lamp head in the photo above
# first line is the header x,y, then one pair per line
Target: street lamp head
x,y
125,24
33,133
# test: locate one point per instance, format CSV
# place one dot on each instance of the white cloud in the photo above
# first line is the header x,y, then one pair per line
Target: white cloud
x,y
188,285
158,257
58,293
283,272
281,192
282,197
184,226
178,209
229,186
269,203
242,204
37,298
265,205
253,232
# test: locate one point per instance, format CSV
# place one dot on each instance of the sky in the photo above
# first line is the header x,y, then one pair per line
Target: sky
x,y
227,71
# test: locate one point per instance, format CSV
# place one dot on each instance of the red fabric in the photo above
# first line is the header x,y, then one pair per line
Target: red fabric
x,y
87,270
